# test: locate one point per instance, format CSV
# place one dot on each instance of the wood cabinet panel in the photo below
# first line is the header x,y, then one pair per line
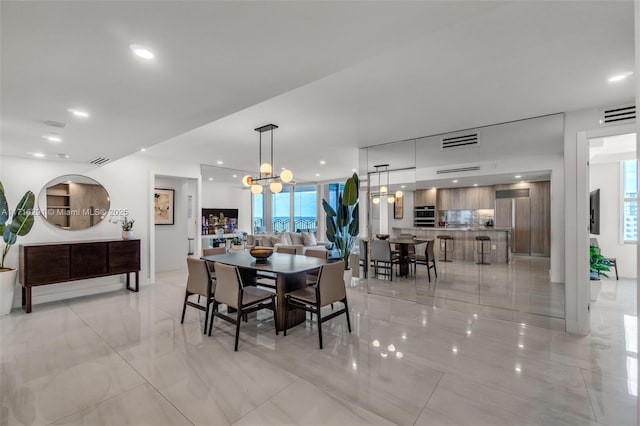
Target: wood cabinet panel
x,y
88,260
425,197
124,256
504,213
45,264
540,197
486,197
522,234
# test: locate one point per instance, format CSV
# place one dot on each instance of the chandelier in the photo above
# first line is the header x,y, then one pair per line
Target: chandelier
x,y
266,174
383,191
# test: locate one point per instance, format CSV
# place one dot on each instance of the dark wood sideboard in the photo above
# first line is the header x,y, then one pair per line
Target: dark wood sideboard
x,y
52,263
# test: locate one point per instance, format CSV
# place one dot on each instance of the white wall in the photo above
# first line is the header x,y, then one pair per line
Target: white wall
x,y
171,241
129,181
606,177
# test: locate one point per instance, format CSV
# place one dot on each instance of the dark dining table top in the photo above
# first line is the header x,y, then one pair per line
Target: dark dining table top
x,y
409,241
279,263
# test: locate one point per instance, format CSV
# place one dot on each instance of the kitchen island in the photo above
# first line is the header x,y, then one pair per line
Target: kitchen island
x,y
465,241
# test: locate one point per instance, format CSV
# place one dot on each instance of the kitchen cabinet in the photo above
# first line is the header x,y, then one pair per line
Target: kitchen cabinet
x,y
461,199
486,196
425,197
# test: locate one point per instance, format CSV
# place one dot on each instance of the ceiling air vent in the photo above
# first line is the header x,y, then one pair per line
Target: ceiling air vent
x,y
99,160
619,114
458,170
459,141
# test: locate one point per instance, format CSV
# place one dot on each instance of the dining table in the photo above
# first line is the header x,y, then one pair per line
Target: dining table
x,y
290,271
403,245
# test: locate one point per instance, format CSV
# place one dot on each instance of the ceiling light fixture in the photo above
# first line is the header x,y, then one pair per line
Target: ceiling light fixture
x,y
235,176
143,149
619,77
220,162
266,169
323,162
384,189
142,52
78,113
455,181
210,178
518,176
38,155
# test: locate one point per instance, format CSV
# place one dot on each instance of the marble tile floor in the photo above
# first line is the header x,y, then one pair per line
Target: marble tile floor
x,y
123,358
519,291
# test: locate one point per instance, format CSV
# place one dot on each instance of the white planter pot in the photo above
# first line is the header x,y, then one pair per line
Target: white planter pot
x,y
348,273
127,235
594,287
7,288
237,247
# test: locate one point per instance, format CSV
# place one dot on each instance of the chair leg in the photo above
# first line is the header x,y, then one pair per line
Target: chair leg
x,y
319,324
346,308
184,307
206,316
213,315
238,322
286,317
435,271
275,316
428,273
615,265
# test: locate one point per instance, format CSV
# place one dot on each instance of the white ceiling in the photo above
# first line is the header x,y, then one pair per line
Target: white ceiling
x,y
334,76
612,148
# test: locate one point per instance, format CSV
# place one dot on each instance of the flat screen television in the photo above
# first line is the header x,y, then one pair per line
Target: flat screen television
x,y
594,212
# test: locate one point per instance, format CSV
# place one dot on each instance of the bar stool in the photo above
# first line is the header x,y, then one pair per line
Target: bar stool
x,y
444,242
482,239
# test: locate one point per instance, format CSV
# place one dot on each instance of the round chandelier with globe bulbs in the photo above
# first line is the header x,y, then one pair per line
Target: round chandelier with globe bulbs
x,y
266,175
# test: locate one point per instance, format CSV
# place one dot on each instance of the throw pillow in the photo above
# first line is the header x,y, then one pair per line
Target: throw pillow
x,y
285,239
296,239
264,241
309,239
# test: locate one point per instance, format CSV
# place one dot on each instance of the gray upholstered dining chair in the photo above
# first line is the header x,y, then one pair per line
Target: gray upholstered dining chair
x,y
330,289
212,252
199,282
286,250
312,276
231,292
383,258
424,255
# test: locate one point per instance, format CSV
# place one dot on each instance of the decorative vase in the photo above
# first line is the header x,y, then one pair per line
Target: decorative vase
x,y
7,288
594,289
348,273
237,247
127,235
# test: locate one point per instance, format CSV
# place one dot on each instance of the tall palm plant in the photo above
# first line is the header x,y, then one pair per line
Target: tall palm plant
x,y
343,223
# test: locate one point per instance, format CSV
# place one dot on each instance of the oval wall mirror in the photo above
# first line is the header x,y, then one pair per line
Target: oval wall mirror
x,y
73,202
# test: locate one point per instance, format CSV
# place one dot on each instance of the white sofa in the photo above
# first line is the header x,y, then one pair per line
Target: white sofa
x,y
301,241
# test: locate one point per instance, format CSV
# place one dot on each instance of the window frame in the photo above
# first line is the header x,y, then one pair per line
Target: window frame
x,y
624,199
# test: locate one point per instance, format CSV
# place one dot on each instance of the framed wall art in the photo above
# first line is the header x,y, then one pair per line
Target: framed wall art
x,y
398,209
164,206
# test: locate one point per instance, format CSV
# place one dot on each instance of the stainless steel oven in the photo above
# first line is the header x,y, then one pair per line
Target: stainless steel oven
x,y
424,216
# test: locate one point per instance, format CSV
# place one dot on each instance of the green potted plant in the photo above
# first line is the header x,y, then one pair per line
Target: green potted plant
x,y
236,244
343,223
598,265
19,226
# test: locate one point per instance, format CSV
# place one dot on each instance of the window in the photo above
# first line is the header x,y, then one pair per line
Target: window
x,y
281,210
334,190
258,213
630,201
305,208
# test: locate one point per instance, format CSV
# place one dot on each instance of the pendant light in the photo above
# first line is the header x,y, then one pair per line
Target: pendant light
x,y
383,190
266,169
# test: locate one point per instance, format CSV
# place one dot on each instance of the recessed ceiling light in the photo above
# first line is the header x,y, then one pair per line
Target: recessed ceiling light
x,y
52,138
518,176
234,176
317,174
219,162
210,178
353,170
619,77
283,168
403,186
142,52
78,113
38,155
455,181
143,149
323,162
475,184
